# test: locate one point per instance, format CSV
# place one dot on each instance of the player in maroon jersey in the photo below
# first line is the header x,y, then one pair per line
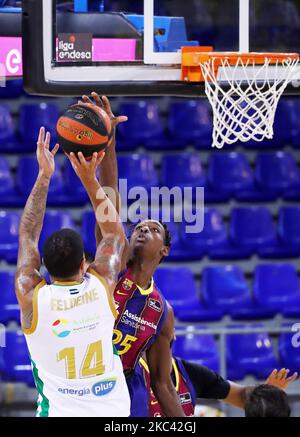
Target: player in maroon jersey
x,y
194,381
145,322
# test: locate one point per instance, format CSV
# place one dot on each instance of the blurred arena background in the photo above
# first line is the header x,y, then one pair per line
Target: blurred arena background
x,y
235,286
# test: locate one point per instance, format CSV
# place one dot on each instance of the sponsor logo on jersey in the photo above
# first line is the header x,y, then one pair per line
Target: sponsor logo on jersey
x,y
154,402
154,304
74,392
121,293
127,284
104,387
185,398
101,388
139,322
59,328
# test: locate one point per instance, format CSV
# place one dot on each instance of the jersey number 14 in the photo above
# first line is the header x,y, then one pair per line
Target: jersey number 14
x,y
92,364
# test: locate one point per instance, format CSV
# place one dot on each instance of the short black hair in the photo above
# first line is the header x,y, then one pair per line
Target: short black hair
x,y
168,236
63,253
267,401
89,257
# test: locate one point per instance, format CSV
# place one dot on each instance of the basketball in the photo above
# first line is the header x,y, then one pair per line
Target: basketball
x,y
84,128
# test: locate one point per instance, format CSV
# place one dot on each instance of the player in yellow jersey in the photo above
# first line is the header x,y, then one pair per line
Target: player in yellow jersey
x,y
68,324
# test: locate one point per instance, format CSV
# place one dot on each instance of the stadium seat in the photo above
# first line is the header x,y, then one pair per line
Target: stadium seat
x,y
9,308
190,122
252,228
1,363
277,172
178,252
8,194
27,172
9,232
212,236
179,288
213,240
8,139
138,170
144,126
54,221
6,180
226,288
74,189
289,226
289,344
12,89
88,232
287,243
32,117
182,170
228,174
283,128
250,354
283,123
201,349
276,286
295,124
17,366
7,131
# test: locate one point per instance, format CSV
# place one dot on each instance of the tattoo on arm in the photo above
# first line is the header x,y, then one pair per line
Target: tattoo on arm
x,y
29,261
33,216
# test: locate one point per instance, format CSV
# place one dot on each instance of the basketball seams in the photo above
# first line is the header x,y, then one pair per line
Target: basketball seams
x,y
84,128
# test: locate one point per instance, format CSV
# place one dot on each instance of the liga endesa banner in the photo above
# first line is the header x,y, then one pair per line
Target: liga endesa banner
x,y
11,56
112,50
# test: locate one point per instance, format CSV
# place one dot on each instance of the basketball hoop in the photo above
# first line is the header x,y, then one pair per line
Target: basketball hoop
x,y
243,90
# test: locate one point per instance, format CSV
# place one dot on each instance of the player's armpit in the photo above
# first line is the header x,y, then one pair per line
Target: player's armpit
x,y
27,276
108,259
159,358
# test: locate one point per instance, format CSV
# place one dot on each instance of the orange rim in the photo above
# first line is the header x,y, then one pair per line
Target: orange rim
x,y
192,57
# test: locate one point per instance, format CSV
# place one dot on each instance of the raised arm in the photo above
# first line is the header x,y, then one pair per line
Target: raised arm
x,y
110,249
27,276
238,393
159,359
109,166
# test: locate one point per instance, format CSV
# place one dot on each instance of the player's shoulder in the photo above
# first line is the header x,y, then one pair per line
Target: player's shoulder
x,y
92,275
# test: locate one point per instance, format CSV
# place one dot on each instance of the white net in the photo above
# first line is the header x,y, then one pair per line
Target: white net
x,y
244,96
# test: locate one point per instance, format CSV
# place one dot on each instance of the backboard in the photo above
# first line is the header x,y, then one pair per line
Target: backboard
x,y
134,47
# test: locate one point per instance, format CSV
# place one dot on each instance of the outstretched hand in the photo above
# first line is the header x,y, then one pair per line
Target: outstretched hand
x,y
280,378
86,170
44,156
103,103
